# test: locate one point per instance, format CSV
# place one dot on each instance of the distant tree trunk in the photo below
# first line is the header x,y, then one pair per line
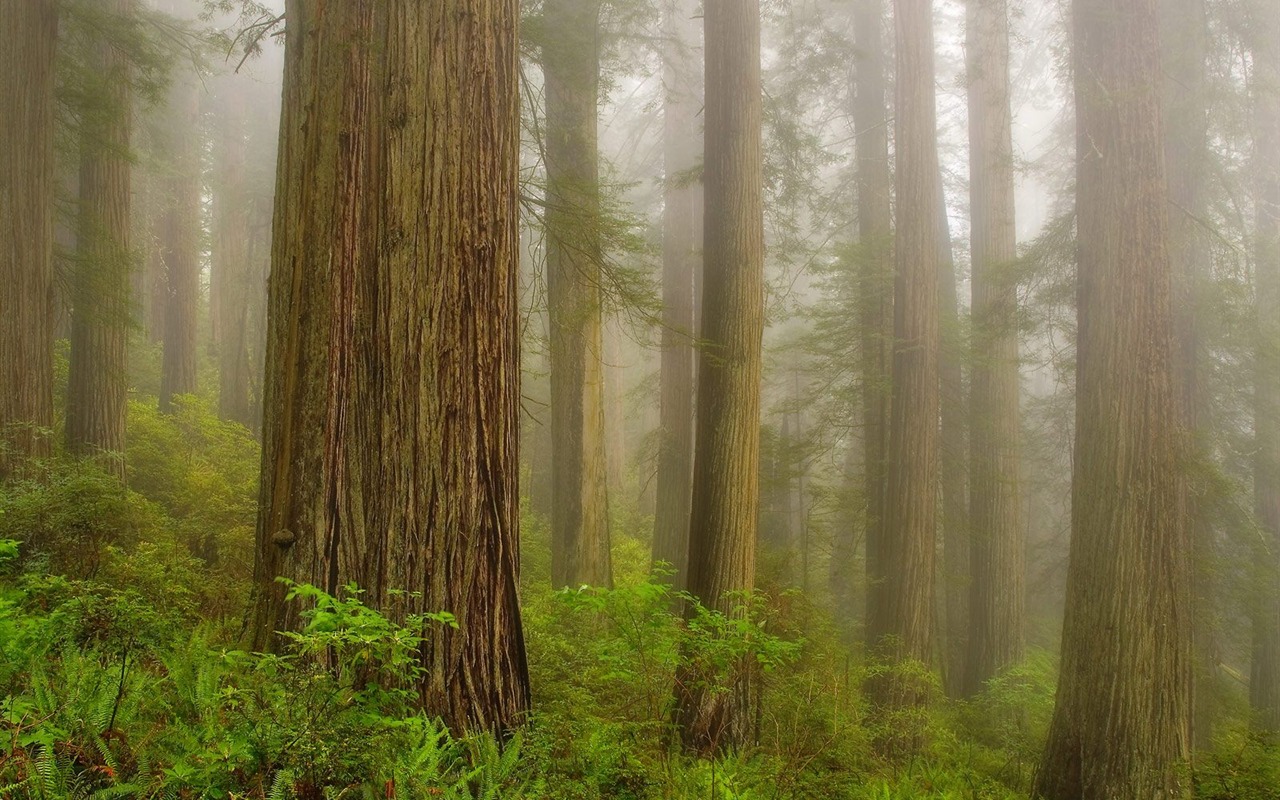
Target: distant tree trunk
x,y
726,490
28,31
681,259
912,492
997,561
180,238
232,273
98,381
1264,683
392,392
579,512
954,447
1184,45
1121,723
875,240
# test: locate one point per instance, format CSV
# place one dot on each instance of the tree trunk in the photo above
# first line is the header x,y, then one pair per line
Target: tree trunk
x,y
1264,683
912,491
951,458
1121,722
681,258
28,32
997,560
231,281
875,240
726,491
579,509
1184,41
180,237
393,384
98,381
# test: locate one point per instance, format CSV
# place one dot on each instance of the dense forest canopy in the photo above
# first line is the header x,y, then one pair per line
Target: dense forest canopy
x,y
640,399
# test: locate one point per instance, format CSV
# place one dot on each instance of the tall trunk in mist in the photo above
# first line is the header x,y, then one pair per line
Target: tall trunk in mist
x,y
953,449
231,279
681,259
579,505
28,31
1264,683
912,490
875,242
98,381
1121,722
180,237
390,433
726,489
997,553
1184,47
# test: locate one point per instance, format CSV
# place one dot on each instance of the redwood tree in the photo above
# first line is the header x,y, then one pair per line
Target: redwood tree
x,y
726,491
97,381
996,546
1121,722
579,506
27,34
875,248
681,254
392,388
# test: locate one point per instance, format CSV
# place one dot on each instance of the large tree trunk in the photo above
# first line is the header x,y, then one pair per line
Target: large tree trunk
x,y
681,258
180,237
27,35
953,449
100,295
875,280
1264,683
390,435
1121,722
1184,45
912,492
579,507
997,560
231,281
726,490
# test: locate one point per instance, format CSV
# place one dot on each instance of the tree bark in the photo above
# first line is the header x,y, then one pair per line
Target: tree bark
x,y
1264,683
997,555
579,509
681,257
912,492
390,440
98,381
28,32
875,242
1184,46
1121,723
726,491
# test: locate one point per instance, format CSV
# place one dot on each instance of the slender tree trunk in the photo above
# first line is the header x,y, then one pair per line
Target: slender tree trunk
x,y
726,490
28,32
1184,45
231,277
997,563
875,238
1122,718
100,296
912,492
681,259
954,447
1264,683
579,508
392,397
180,238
